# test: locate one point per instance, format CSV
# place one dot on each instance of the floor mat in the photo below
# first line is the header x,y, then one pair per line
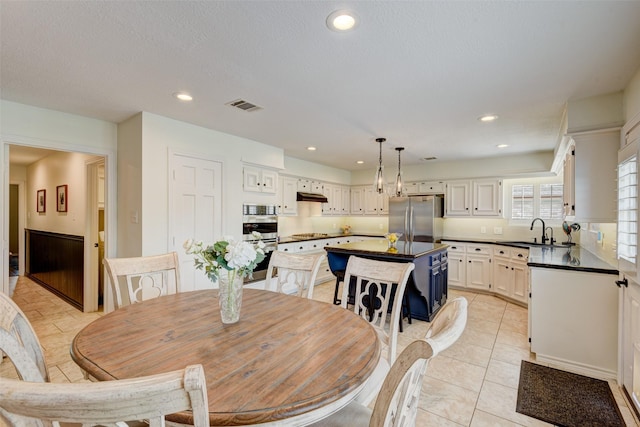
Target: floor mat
x,y
566,399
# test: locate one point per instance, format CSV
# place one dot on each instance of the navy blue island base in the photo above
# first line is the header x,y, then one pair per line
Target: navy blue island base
x,y
427,286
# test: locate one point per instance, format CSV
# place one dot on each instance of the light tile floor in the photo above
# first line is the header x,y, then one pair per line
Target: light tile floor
x,y
473,383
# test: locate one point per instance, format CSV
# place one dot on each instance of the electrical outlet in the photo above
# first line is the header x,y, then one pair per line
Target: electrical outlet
x,y
380,226
483,230
497,230
334,226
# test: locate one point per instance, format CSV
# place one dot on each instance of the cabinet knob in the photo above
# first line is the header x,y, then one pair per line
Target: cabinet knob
x,y
502,252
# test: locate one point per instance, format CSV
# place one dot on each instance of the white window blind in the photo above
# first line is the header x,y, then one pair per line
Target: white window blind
x,y
551,203
522,201
627,209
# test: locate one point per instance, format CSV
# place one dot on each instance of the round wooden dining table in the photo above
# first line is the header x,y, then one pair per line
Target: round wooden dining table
x,y
288,361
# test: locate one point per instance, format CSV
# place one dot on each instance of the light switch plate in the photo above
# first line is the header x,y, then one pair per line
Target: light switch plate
x,y
497,230
483,230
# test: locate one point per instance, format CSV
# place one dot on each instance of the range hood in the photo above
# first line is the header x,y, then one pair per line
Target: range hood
x,y
310,197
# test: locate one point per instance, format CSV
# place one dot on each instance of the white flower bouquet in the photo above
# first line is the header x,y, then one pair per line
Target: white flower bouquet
x,y
228,254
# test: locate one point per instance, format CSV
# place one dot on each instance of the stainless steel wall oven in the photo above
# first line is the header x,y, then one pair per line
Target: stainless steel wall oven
x,y
263,219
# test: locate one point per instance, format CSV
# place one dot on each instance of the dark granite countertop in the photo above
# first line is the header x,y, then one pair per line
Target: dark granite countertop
x,y
512,243
573,258
404,250
320,236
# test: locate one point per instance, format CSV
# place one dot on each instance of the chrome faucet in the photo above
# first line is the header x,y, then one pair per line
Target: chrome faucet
x,y
544,238
551,240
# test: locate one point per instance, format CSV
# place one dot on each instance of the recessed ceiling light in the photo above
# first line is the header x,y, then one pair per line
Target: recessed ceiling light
x,y
360,162
502,145
488,118
183,96
311,148
342,20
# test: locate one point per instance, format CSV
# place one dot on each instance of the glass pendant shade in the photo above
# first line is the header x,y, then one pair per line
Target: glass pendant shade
x,y
379,182
399,190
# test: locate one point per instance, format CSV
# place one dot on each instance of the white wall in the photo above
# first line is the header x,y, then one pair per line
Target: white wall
x,y
159,136
631,98
504,166
58,169
27,125
303,168
130,187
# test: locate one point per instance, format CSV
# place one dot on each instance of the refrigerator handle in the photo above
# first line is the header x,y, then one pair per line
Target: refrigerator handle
x,y
406,220
411,230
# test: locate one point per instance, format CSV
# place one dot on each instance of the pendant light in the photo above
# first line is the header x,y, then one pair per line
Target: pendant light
x,y
379,182
399,185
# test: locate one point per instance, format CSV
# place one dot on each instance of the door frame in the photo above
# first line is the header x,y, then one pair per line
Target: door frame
x,y
110,159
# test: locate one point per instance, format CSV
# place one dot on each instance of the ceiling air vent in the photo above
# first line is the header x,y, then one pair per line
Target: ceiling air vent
x,y
244,105
429,158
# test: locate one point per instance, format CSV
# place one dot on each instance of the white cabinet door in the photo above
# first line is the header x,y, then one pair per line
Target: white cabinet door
x,y
458,198
630,337
478,272
260,180
502,276
336,200
520,290
487,197
357,201
568,181
374,203
346,200
289,205
432,187
594,186
457,269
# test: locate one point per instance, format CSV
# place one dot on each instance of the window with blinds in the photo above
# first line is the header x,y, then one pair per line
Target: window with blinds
x,y
551,202
522,201
529,201
627,209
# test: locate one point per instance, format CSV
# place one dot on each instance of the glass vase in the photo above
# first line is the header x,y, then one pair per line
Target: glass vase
x,y
230,296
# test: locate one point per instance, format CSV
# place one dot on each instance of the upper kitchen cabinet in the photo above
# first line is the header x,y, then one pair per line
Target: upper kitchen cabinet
x,y
474,198
424,188
357,200
375,204
338,199
590,176
288,193
260,180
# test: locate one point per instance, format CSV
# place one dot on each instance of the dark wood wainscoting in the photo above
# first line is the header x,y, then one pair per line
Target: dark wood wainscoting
x,y
56,261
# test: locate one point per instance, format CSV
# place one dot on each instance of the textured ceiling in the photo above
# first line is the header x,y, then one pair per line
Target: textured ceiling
x,y
416,72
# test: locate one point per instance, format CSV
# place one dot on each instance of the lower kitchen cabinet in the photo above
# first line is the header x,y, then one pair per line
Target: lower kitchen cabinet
x,y
469,265
573,320
317,246
511,273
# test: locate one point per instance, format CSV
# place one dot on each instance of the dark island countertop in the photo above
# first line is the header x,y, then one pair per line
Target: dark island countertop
x,y
572,258
380,247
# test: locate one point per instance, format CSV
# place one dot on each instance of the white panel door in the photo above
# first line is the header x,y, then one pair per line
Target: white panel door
x,y
196,212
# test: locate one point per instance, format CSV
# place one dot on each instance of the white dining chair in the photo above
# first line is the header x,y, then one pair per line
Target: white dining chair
x,y
374,292
143,277
397,402
107,403
296,272
19,341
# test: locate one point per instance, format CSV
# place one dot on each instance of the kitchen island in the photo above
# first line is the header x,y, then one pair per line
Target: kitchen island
x,y
427,286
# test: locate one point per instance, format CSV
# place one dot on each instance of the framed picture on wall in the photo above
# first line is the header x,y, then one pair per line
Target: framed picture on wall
x,y
61,198
41,203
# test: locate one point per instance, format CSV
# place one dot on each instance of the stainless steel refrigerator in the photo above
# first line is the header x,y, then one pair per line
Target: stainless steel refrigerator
x,y
418,218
